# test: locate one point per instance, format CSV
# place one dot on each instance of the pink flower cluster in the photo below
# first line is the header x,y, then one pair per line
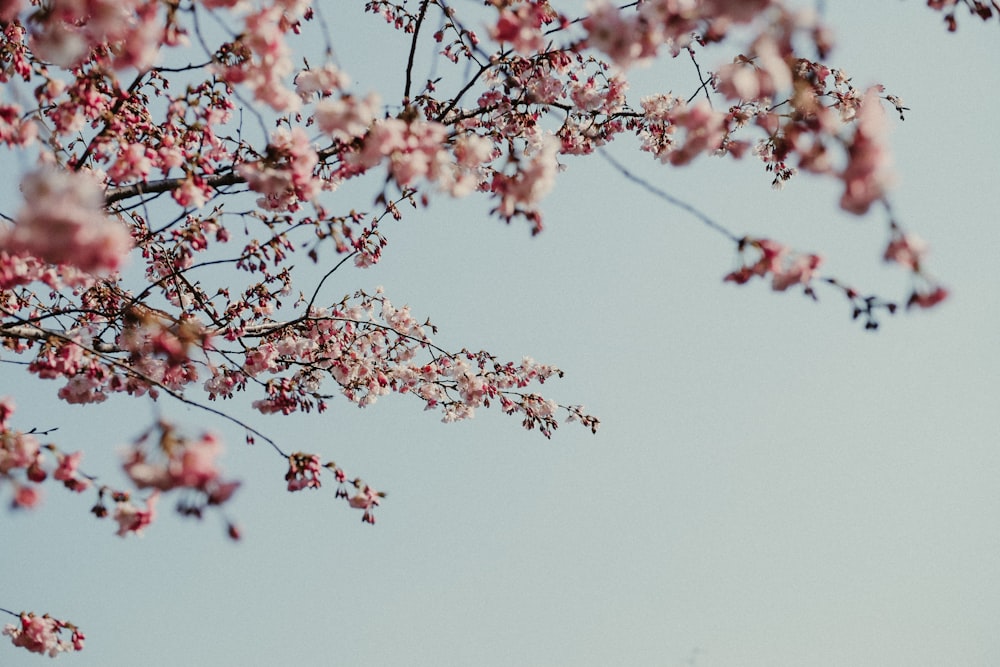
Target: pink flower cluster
x,y
630,37
414,149
304,473
131,518
285,175
499,129
909,250
868,173
63,222
15,129
180,463
905,249
418,150
347,117
522,27
23,452
759,75
370,348
43,634
534,178
365,498
262,59
785,267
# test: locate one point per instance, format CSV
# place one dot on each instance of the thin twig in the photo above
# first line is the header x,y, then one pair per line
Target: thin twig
x,y
413,51
670,199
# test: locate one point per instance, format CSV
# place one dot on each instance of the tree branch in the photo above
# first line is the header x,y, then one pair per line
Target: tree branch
x,y
112,195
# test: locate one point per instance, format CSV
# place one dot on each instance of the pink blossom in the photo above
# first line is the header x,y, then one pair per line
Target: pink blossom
x,y
63,222
706,130
134,162
57,42
323,80
270,62
758,77
6,410
145,474
785,268
366,498
927,298
799,272
737,11
67,472
346,118
303,472
193,192
521,28
131,519
197,463
17,450
532,181
15,130
868,173
625,40
465,173
9,9
285,177
906,249
415,149
41,634
185,464
27,496
70,29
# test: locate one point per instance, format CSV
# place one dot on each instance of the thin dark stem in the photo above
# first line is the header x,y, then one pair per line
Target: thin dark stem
x,y
581,19
329,273
413,51
670,199
112,114
704,82
465,89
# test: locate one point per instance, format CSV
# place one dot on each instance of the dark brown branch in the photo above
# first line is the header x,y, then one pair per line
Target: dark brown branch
x,y
113,195
413,51
32,332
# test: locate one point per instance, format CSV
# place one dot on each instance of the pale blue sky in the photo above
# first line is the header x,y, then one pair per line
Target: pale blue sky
x,y
771,485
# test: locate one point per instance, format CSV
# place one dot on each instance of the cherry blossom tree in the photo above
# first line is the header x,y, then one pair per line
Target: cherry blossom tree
x,y
183,158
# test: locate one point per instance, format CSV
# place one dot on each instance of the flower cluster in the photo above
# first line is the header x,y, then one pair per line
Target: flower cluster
x,y
909,250
63,222
22,453
43,634
773,259
304,473
285,176
984,10
261,58
370,348
71,29
637,36
365,498
178,462
522,27
867,175
130,517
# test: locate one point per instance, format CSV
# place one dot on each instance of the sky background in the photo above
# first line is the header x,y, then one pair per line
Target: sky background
x,y
771,484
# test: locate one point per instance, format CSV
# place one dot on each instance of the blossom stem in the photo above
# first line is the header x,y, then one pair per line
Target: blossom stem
x,y
670,199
